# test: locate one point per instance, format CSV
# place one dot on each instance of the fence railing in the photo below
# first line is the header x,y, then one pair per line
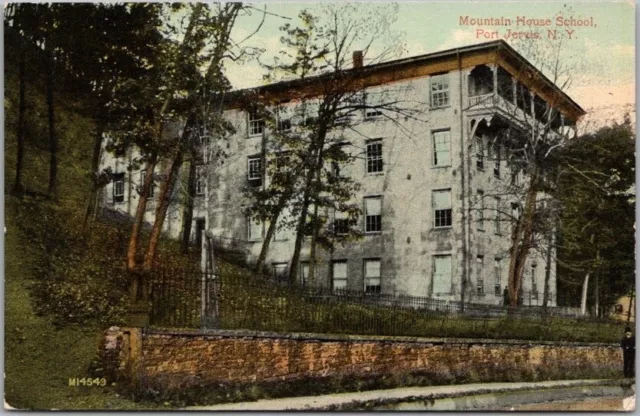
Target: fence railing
x,y
200,300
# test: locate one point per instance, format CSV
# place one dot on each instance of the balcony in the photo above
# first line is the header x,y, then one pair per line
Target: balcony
x,y
493,91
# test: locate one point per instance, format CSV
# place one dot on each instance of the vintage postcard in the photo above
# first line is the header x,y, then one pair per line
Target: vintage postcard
x,y
320,206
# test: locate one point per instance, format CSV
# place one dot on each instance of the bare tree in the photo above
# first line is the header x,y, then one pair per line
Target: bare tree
x,y
529,130
325,56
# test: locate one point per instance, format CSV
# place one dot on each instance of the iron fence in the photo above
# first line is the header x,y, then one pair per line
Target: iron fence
x,y
183,299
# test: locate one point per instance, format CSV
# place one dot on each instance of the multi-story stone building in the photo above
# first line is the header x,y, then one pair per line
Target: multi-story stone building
x,y
436,189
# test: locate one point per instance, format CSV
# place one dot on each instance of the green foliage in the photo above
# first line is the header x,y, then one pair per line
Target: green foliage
x,y
596,190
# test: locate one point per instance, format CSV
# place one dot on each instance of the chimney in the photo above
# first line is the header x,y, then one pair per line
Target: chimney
x,y
357,59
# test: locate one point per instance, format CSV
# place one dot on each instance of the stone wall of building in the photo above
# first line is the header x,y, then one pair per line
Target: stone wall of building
x,y
171,361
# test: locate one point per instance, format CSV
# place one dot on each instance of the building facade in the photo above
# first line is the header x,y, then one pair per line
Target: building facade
x,y
437,189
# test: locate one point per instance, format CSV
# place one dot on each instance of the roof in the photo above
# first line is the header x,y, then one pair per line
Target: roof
x,y
501,47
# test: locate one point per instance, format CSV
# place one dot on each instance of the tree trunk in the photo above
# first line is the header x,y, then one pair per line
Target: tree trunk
x,y
187,217
521,242
314,168
295,259
164,200
314,243
259,267
135,277
583,301
17,185
316,226
547,272
597,285
53,141
95,163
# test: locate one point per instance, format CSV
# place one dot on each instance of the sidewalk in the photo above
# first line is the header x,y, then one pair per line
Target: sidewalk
x,y
458,397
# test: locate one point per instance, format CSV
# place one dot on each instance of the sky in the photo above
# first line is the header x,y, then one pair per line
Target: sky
x,y
600,53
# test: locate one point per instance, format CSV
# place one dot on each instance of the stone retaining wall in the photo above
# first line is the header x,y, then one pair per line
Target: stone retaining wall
x,y
170,361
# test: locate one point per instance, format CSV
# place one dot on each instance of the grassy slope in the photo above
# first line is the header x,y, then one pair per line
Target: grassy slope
x,y
39,359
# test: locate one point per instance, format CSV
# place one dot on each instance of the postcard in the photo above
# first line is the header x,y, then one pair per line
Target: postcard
x,y
320,206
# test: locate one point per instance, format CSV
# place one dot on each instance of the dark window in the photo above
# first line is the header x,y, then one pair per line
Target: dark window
x,y
498,157
254,170
341,226
152,188
497,271
480,279
118,187
283,123
480,210
373,214
374,157
442,208
479,143
498,216
200,180
534,283
280,272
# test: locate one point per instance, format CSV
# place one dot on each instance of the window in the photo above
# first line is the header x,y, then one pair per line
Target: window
x,y
480,210
515,175
374,156
254,229
534,284
152,188
372,104
256,123
439,90
120,150
515,211
480,275
340,223
619,308
254,170
497,217
339,159
441,148
442,208
280,272
118,187
283,123
339,273
372,276
283,160
497,273
441,275
496,166
200,180
479,143
304,273
373,214
282,231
